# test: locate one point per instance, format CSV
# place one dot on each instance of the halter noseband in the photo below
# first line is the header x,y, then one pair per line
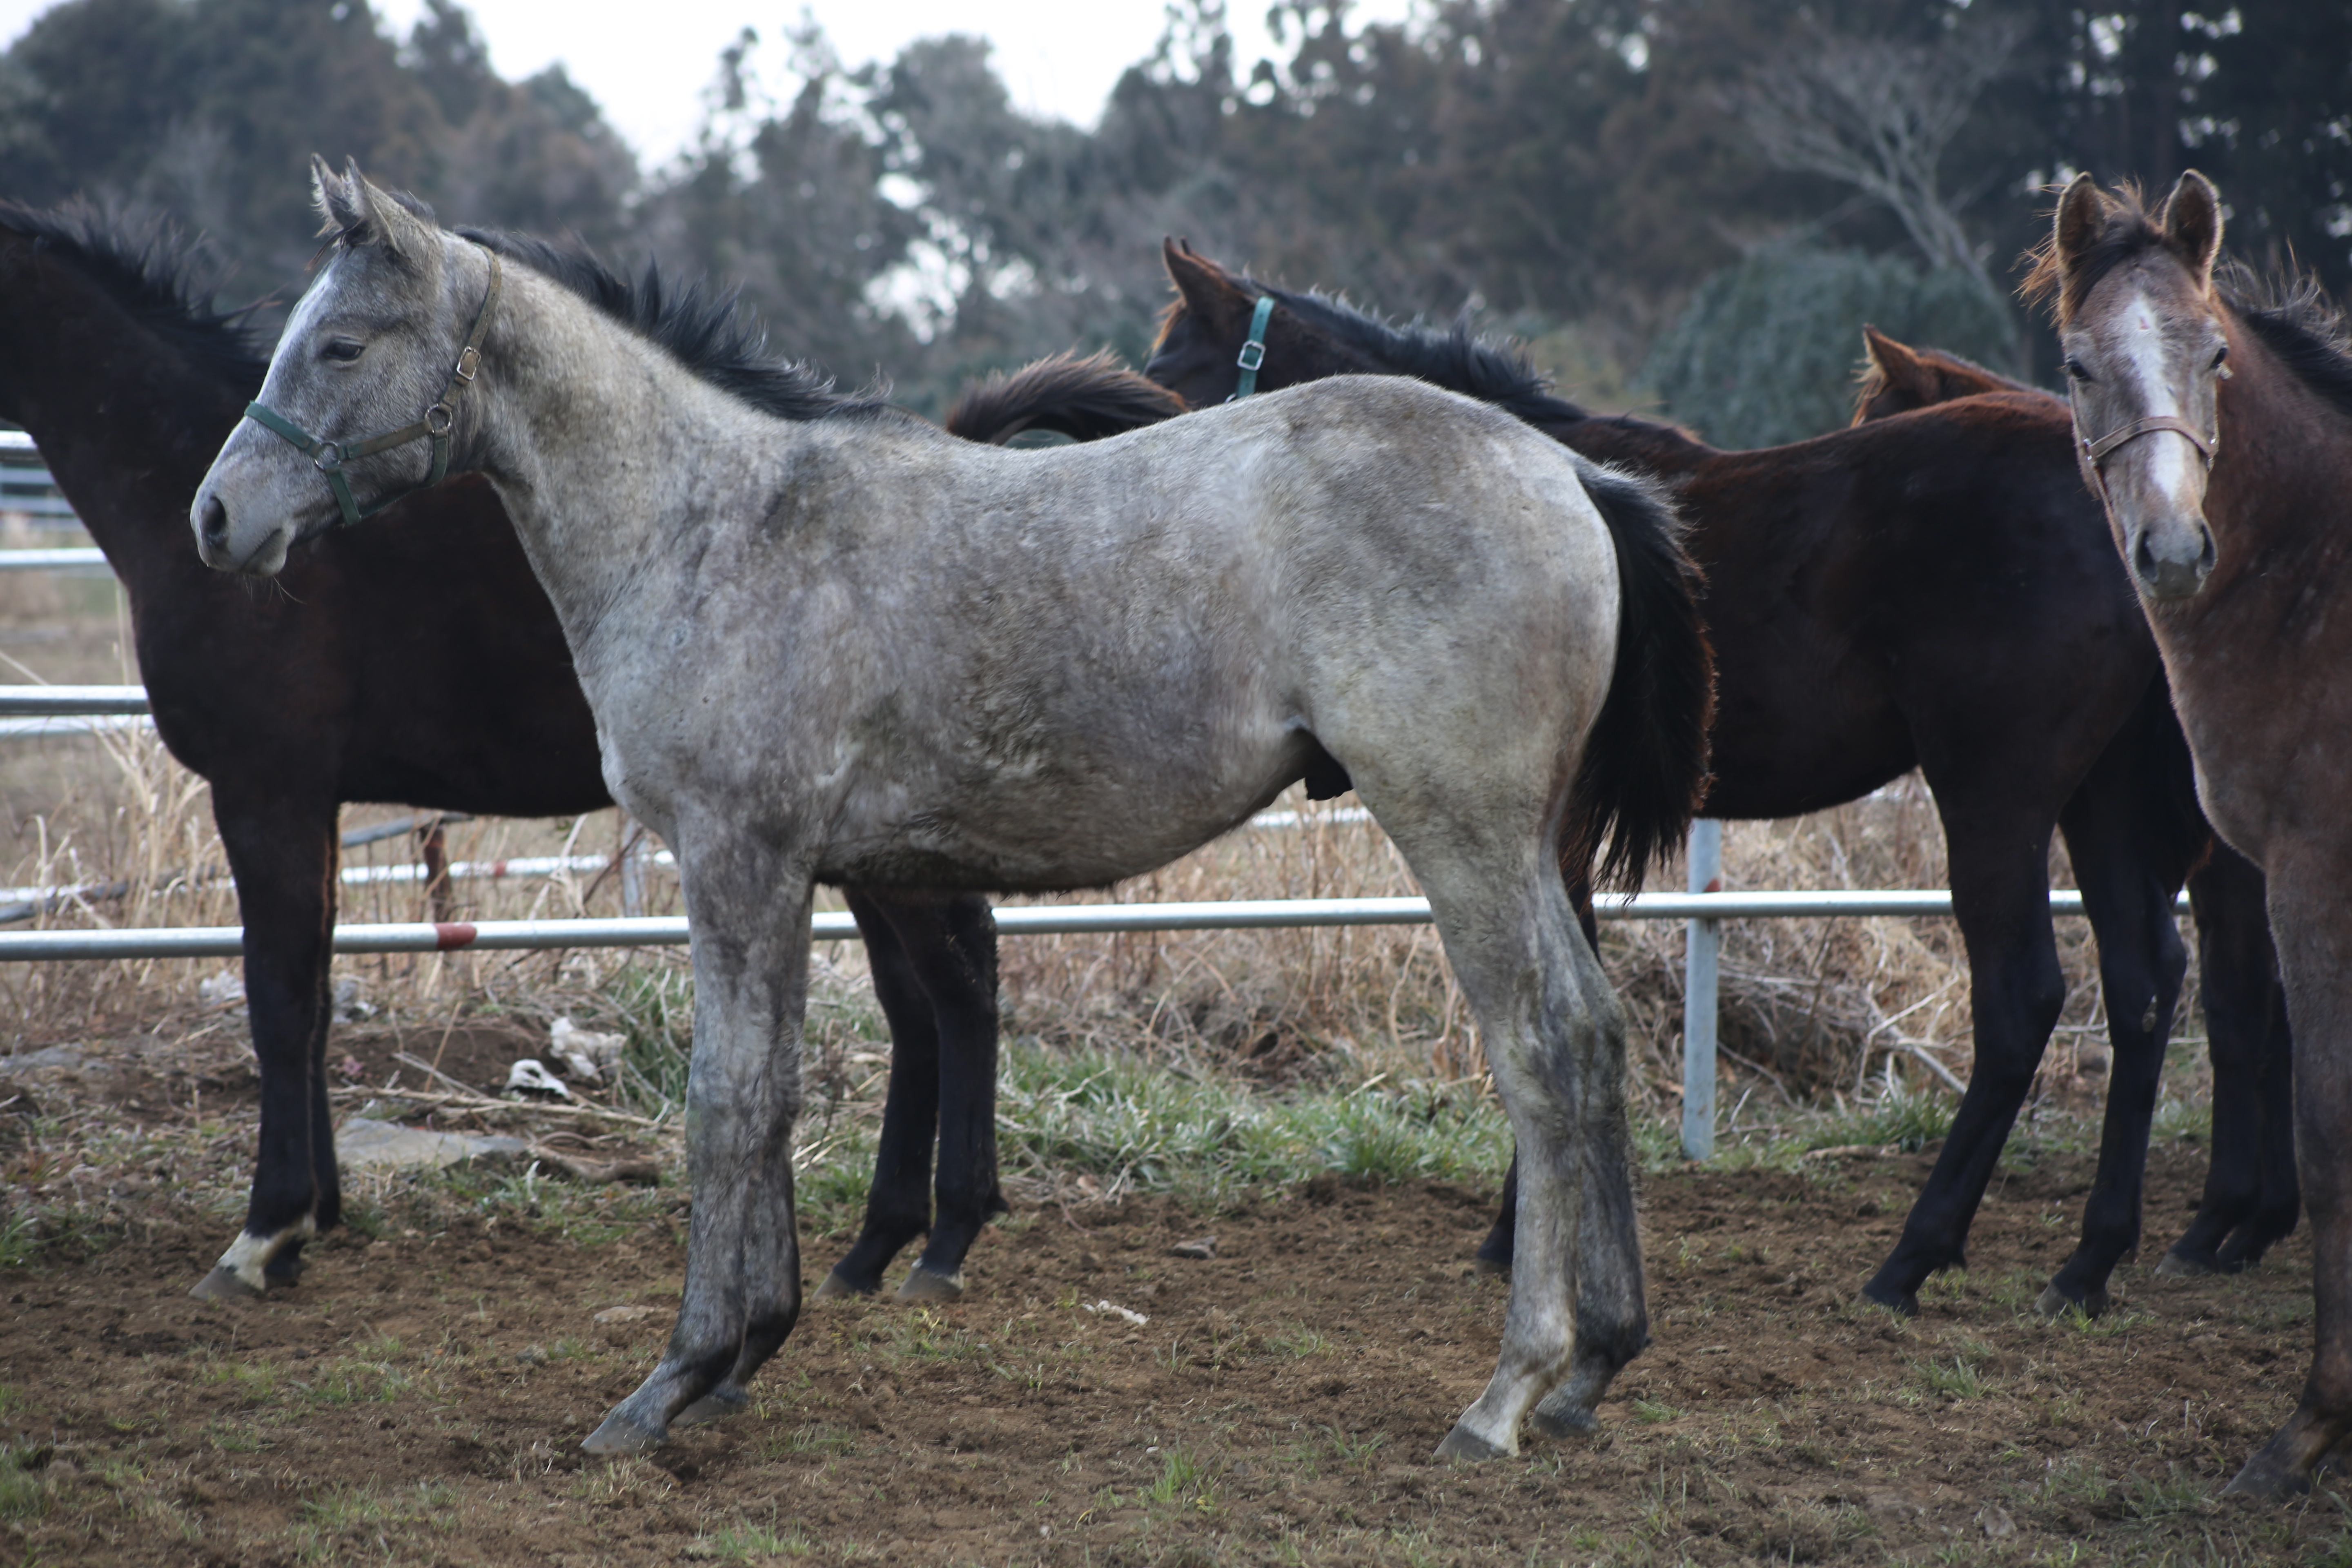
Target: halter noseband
x,y
1252,352
2097,451
330,457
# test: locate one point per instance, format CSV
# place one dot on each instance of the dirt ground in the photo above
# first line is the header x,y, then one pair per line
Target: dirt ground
x,y
420,1396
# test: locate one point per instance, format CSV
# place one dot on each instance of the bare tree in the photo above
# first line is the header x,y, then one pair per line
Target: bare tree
x,y
1878,115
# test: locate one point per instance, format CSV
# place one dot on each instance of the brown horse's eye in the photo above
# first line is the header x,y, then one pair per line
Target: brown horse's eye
x,y
2220,356
341,350
2078,371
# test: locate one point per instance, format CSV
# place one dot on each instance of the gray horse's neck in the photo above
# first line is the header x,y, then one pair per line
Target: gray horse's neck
x,y
606,451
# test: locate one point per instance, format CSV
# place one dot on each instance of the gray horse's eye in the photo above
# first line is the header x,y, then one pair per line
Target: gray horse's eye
x,y
341,350
2078,370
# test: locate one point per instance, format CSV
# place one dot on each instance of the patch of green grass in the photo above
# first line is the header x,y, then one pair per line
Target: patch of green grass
x,y
1182,1483
356,1382
255,1382
2145,1497
2190,1120
1301,1340
20,1241
742,1542
1353,1450
2108,1324
1655,1412
330,1526
24,1494
1959,1380
1124,1118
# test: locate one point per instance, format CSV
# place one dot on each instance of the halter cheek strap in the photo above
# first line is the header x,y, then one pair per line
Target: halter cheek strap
x,y
1252,352
330,457
2097,451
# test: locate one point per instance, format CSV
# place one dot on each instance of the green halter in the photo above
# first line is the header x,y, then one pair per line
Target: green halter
x,y
1252,352
331,456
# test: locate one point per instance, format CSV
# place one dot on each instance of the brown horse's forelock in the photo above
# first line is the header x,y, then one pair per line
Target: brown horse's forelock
x,y
2130,230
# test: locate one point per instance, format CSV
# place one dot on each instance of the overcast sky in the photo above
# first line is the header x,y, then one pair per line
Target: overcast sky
x,y
1059,57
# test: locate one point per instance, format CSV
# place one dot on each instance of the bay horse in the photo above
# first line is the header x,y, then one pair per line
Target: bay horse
x,y
415,660
825,640
2251,1195
1932,590
2213,414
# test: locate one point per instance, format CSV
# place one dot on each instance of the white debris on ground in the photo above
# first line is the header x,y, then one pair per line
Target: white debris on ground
x,y
222,989
362,1143
590,1057
1113,1309
531,1076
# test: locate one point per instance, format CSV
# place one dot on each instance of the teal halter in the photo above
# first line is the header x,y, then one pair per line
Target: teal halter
x,y
331,456
1252,352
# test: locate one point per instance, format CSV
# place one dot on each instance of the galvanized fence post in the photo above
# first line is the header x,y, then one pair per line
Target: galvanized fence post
x,y
1703,940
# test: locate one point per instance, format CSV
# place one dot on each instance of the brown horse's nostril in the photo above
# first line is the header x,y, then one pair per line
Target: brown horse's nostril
x,y
212,526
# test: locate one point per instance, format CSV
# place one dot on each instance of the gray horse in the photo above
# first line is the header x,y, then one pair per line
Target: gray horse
x,y
826,642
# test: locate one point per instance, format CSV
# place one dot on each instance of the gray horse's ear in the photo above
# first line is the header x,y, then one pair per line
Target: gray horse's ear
x,y
2192,221
342,205
2081,218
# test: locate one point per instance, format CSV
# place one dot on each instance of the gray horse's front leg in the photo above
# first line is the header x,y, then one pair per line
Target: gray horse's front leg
x,y
743,1095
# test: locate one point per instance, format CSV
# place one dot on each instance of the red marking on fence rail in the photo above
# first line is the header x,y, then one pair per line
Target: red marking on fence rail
x,y
453,934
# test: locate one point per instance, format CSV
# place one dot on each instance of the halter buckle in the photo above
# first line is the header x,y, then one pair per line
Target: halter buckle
x,y
468,362
1253,355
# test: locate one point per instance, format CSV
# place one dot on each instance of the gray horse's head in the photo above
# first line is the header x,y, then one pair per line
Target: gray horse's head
x,y
360,401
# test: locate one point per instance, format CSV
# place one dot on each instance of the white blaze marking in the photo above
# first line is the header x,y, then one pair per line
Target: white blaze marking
x,y
2165,454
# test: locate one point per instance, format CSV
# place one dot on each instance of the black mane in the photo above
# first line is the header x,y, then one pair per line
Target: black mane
x,y
2299,323
1492,372
154,274
707,331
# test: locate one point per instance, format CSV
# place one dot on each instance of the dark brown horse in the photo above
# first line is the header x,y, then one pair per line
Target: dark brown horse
x,y
2250,1181
2215,416
1933,590
413,660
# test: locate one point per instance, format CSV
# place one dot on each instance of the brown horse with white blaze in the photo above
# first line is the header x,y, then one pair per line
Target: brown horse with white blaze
x,y
2215,420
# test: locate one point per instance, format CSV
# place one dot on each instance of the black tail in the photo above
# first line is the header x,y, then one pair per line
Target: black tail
x,y
1644,770
1085,399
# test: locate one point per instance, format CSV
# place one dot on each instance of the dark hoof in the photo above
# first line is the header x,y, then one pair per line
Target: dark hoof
x,y
1568,1419
223,1285
620,1434
2179,1266
716,1405
838,1287
1464,1443
2263,1478
929,1285
1903,1303
2055,1303
286,1269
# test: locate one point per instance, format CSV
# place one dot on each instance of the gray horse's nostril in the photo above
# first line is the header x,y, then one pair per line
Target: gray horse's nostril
x,y
212,525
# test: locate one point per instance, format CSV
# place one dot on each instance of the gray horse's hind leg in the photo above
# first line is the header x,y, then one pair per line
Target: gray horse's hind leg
x,y
1555,1041
1612,1321
743,1095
